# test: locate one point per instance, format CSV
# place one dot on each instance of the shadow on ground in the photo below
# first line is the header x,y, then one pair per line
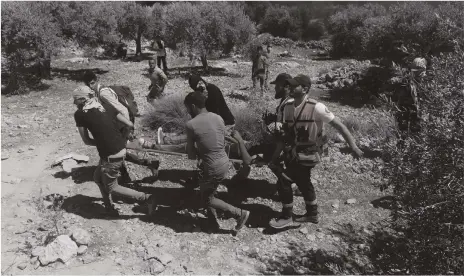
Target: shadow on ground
x,y
359,251
75,75
90,208
185,72
79,175
129,57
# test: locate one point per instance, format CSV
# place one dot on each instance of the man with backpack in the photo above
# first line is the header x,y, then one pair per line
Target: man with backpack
x,y
111,145
120,105
303,124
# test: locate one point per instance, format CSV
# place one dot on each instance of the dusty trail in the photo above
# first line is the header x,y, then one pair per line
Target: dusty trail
x,y
40,126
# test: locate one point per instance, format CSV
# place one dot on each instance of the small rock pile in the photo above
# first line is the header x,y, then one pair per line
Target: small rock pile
x,y
63,248
343,77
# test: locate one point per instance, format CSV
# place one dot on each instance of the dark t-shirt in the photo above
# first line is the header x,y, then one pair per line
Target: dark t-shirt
x,y
216,104
108,138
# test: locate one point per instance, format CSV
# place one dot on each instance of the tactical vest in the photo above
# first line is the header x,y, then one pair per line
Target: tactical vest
x,y
307,138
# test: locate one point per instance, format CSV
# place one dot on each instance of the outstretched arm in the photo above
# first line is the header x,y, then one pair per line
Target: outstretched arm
x,y
246,158
340,127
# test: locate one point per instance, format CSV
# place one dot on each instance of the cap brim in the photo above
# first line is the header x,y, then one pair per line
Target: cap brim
x,y
273,82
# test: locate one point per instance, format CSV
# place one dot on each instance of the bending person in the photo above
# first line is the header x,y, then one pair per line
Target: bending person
x,y
111,145
207,131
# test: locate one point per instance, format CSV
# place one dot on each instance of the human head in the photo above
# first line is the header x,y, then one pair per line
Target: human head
x,y
259,49
300,85
152,64
91,80
194,102
81,95
282,90
268,48
198,84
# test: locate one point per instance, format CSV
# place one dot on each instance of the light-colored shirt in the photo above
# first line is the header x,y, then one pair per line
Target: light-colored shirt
x,y
158,78
109,99
321,116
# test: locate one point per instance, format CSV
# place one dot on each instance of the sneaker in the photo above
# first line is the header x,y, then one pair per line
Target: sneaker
x,y
242,220
153,166
308,218
160,136
281,222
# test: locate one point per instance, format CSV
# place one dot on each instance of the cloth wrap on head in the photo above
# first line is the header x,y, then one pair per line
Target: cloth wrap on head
x,y
84,92
194,80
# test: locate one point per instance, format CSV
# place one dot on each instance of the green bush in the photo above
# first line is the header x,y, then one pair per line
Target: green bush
x,y
426,172
370,31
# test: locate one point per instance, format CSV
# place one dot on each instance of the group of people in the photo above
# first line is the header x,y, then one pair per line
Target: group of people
x,y
298,139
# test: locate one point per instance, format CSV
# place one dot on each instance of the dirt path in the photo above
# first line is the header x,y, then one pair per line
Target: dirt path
x,y
39,127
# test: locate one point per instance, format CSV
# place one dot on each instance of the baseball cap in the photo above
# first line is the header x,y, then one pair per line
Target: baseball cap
x,y
282,77
292,82
303,80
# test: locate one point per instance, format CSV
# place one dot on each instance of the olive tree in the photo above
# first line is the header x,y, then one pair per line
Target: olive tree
x,y
206,27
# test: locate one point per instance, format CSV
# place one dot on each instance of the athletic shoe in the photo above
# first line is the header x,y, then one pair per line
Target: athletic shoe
x,y
281,222
308,218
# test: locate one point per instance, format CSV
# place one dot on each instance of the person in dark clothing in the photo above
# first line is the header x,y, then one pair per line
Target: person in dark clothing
x,y
111,145
215,101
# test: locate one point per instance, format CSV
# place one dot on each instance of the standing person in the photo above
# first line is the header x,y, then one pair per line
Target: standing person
x,y
120,116
207,131
92,117
260,68
304,121
158,81
159,47
267,54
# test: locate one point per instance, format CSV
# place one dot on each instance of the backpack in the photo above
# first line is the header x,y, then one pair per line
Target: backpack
x,y
127,99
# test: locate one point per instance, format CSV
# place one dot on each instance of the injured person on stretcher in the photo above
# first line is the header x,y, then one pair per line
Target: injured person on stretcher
x,y
236,148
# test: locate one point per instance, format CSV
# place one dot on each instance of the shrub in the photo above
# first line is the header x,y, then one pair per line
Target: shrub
x,y
278,22
29,37
426,171
313,31
170,113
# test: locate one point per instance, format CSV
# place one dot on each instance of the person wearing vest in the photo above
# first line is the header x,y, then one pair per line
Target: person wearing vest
x,y
303,124
120,115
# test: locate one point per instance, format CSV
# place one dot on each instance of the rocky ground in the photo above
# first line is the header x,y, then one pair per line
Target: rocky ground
x,y
52,220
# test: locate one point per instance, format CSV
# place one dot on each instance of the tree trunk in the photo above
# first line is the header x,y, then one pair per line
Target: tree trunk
x,y
138,43
45,69
204,62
